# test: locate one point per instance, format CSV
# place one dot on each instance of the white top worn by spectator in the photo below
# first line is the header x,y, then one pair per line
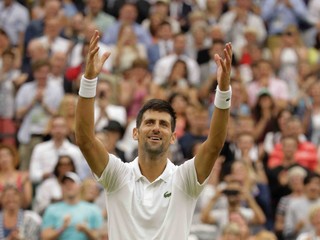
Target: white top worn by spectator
x,y
36,120
45,156
155,209
14,19
163,67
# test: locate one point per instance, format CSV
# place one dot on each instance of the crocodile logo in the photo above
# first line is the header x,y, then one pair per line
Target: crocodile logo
x,y
167,194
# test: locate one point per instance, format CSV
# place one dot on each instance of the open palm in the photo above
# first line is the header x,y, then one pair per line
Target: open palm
x,y
224,67
94,62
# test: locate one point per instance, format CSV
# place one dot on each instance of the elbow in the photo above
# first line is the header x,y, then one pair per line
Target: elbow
x,y
261,220
204,218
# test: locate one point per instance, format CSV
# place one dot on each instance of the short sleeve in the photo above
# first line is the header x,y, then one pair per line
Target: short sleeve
x,y
115,175
186,179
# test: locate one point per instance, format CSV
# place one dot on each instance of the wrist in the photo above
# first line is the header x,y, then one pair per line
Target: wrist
x,y
222,98
88,87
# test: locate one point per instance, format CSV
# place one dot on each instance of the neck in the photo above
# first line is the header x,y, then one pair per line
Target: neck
x,y
152,168
10,212
72,200
58,142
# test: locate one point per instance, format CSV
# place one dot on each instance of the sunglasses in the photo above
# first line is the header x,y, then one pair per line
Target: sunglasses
x,y
230,192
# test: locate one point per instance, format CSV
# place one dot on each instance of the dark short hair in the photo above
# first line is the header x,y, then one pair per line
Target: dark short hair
x,y
159,106
310,177
36,65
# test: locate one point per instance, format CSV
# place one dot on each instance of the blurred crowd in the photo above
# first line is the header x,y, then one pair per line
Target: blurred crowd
x,y
265,183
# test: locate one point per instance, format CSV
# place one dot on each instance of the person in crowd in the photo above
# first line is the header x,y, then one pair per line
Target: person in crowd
x,y
110,136
163,46
16,223
314,217
9,161
128,14
14,19
71,218
36,102
164,65
296,221
295,177
95,13
235,195
45,154
49,190
127,49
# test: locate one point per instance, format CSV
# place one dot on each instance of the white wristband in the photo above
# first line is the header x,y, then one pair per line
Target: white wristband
x,y
222,99
88,87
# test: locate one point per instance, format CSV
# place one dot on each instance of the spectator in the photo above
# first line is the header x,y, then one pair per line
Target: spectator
x,y
161,9
111,134
35,29
105,110
164,65
278,15
49,190
306,154
267,80
95,14
71,218
67,110
36,102
9,160
58,64
234,22
213,11
127,15
163,46
314,217
127,49
9,83
15,222
14,19
296,221
278,175
45,154
51,38
264,113
296,176
234,193
180,10
287,55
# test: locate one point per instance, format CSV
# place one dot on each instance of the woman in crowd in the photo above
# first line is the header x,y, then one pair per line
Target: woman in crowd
x,y
9,160
16,223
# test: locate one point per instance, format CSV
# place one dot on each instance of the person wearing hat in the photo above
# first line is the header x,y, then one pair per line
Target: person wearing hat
x,y
110,135
71,218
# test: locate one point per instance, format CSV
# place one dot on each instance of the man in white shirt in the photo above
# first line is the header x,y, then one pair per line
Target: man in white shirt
x,y
163,66
45,155
150,198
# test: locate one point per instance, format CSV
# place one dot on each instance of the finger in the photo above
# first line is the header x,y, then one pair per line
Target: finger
x,y
223,65
217,59
104,57
94,41
93,53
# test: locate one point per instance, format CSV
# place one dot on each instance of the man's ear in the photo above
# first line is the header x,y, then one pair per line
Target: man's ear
x,y
173,138
135,133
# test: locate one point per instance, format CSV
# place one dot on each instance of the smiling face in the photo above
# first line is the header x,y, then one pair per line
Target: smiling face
x,y
154,134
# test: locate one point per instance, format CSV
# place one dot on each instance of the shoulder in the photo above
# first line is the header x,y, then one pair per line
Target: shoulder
x,y
32,216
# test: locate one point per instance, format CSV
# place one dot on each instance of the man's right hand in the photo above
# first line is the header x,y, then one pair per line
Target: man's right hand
x,y
94,62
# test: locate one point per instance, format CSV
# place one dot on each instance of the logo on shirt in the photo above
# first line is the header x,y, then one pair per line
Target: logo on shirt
x,y
167,194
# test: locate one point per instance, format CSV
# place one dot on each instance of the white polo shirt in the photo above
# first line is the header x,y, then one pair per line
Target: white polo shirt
x,y
140,210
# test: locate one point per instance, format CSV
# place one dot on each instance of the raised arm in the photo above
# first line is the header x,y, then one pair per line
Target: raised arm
x,y
92,149
210,149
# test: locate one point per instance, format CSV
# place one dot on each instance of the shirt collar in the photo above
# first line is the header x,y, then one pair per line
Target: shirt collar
x,y
164,176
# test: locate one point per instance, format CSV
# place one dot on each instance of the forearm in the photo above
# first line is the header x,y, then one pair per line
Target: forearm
x,y
51,234
84,121
205,212
21,112
259,215
92,234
